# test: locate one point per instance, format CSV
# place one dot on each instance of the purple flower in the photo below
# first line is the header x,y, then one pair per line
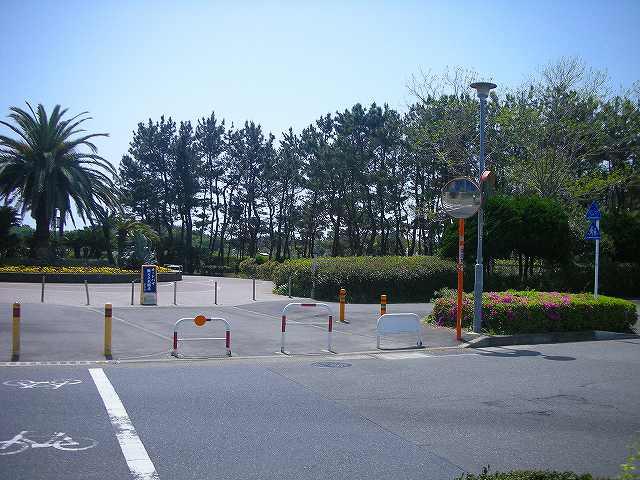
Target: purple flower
x,y
551,311
508,298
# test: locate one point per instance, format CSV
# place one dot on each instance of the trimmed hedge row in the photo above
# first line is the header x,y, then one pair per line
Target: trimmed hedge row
x,y
512,312
402,279
262,269
527,475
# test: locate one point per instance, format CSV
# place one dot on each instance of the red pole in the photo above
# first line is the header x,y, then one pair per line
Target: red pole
x,y
460,277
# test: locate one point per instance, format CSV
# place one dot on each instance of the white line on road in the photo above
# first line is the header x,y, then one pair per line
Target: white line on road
x,y
140,465
132,324
403,355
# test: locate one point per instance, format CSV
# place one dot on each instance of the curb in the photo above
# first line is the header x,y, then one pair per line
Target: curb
x,y
372,354
540,338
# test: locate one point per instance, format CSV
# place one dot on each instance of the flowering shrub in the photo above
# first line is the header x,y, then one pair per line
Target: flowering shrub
x,y
511,312
69,269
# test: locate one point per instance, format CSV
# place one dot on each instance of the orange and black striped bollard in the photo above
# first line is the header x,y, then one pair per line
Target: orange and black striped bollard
x,y
383,304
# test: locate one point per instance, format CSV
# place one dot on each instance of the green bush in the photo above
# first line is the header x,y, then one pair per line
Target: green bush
x,y
529,225
402,279
615,278
216,270
247,267
265,270
527,475
258,267
511,312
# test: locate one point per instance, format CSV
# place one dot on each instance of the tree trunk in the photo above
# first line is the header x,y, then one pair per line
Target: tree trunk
x,y
41,235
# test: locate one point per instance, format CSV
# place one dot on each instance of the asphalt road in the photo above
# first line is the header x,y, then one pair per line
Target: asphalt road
x,y
401,415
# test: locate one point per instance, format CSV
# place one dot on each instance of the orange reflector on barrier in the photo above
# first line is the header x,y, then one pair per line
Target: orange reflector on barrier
x,y
200,320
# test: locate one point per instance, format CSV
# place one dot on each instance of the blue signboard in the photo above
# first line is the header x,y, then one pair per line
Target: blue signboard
x,y
594,232
149,281
594,212
149,275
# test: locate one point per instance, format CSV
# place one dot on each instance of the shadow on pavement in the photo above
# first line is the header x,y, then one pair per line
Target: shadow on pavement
x,y
514,353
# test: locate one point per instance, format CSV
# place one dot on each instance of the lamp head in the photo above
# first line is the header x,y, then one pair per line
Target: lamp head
x,y
483,88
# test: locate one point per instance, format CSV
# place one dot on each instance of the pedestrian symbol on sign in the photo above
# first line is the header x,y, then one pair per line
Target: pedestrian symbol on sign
x,y
593,214
593,233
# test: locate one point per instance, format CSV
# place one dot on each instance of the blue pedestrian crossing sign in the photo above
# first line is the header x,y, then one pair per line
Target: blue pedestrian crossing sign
x,y
593,233
594,212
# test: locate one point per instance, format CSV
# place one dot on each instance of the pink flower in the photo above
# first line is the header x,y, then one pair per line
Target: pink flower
x,y
551,311
508,298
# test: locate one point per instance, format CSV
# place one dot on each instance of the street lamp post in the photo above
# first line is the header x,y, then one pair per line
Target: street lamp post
x,y
482,90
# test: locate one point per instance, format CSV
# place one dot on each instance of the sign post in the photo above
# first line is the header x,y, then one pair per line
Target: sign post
x,y
149,282
460,277
593,215
460,199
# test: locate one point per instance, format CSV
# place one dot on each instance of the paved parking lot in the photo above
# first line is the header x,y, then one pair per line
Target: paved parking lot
x,y
61,332
63,328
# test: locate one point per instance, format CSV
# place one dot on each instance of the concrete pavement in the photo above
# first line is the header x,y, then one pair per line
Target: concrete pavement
x,y
62,332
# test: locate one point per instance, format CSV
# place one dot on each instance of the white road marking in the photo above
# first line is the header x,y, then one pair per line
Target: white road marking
x,y
122,320
140,465
58,440
47,384
403,355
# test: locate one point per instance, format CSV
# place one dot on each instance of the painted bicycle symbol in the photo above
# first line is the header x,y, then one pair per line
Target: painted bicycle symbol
x,y
47,384
59,441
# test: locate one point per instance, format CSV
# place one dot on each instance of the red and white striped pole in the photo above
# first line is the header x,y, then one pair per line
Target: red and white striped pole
x,y
284,322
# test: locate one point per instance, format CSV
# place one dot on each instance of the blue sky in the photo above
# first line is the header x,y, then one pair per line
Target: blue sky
x,y
285,63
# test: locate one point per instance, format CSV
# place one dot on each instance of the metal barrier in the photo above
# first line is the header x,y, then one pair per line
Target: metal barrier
x,y
201,320
306,305
398,323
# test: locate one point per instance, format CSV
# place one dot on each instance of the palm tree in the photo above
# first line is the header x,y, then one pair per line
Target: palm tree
x,y
44,169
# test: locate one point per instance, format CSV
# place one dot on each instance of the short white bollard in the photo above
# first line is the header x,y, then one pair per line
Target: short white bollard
x,y
398,324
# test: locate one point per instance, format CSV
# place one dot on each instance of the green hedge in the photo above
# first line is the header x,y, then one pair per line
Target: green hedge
x,y
527,475
402,279
247,268
258,268
216,270
619,279
511,312
266,270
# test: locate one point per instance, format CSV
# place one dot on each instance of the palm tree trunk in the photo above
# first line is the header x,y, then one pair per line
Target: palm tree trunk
x,y
41,236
